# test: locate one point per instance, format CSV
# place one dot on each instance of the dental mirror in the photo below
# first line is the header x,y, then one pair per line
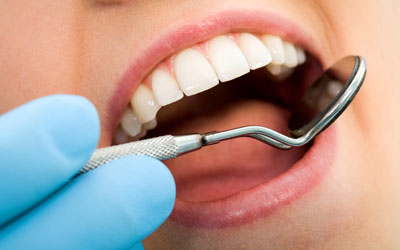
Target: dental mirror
x,y
319,107
328,97
322,103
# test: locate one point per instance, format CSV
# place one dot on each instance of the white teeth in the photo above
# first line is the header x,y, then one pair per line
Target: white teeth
x,y
202,67
279,72
130,123
327,94
139,136
193,72
165,87
290,55
120,136
144,104
274,69
301,56
334,87
227,59
254,50
150,125
274,45
323,102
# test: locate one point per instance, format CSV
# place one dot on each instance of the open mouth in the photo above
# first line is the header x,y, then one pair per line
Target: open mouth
x,y
228,81
202,67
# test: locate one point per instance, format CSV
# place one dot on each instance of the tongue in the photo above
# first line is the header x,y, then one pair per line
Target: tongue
x,y
229,167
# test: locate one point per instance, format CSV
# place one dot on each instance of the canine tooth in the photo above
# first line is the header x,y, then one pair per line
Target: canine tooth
x,y
120,136
130,123
150,125
274,45
165,87
290,55
301,55
193,72
254,50
227,59
144,104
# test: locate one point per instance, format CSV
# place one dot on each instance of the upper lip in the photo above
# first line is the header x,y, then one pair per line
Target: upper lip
x,y
167,44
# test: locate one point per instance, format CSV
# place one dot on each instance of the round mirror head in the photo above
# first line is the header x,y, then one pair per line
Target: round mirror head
x,y
328,97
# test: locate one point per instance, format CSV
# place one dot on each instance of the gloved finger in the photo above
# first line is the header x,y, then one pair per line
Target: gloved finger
x,y
137,246
42,144
112,207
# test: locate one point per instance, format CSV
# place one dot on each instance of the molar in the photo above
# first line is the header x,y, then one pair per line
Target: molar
x,y
323,102
165,87
227,59
279,72
144,104
257,55
334,87
274,69
193,72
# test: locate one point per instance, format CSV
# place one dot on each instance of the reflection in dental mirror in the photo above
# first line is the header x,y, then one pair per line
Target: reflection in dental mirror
x,y
323,95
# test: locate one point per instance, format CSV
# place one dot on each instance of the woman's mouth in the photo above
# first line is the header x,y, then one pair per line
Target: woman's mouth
x,y
201,68
232,79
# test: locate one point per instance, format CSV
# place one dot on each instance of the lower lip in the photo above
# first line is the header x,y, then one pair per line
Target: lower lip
x,y
262,200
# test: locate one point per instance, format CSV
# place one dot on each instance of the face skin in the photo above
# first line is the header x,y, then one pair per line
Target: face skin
x,y
84,47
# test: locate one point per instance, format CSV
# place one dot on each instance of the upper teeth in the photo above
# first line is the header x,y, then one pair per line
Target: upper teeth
x,y
193,72
201,67
257,55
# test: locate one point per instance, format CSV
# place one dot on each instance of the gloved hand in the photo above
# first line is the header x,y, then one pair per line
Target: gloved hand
x,y
42,145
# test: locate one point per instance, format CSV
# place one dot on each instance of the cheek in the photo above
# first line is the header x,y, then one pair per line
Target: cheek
x,y
37,51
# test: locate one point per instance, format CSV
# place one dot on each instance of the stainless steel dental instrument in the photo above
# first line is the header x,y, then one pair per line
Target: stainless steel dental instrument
x,y
320,106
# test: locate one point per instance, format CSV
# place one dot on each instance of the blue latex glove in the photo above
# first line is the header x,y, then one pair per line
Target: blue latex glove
x,y
42,145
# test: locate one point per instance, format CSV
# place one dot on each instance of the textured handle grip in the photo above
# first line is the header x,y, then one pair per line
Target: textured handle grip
x,y
161,148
